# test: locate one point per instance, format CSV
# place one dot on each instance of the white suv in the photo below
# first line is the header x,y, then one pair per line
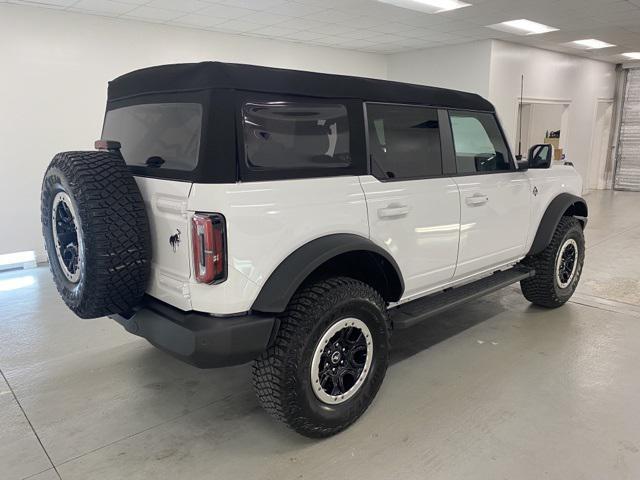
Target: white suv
x,y
235,213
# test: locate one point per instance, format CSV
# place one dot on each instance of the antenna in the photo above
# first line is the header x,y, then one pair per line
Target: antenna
x,y
519,155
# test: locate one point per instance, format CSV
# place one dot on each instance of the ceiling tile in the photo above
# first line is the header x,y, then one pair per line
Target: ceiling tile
x,y
391,27
364,21
237,26
360,34
387,48
226,11
303,36
195,20
388,38
332,16
45,3
303,23
153,14
103,6
369,25
355,43
330,29
274,31
265,18
330,40
251,4
181,6
294,9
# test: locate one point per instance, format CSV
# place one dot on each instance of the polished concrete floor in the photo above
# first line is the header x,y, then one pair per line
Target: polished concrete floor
x,y
496,389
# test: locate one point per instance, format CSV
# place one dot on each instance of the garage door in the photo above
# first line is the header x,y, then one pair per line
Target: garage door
x,y
628,164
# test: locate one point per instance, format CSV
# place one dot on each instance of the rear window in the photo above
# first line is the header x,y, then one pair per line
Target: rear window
x,y
157,135
296,135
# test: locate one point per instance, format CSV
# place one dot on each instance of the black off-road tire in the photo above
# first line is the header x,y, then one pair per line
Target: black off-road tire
x,y
543,288
112,225
281,376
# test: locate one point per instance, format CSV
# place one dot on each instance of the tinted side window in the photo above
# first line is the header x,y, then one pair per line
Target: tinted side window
x,y
479,144
295,135
157,135
404,141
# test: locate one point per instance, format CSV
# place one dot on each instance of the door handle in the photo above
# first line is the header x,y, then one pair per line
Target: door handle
x,y
476,199
393,210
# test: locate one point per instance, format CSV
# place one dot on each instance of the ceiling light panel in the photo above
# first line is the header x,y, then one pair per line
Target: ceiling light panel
x,y
523,27
428,6
591,44
632,55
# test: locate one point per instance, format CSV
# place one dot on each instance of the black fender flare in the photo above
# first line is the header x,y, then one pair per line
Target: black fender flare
x,y
296,268
563,204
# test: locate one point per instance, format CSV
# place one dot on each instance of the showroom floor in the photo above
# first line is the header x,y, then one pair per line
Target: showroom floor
x,y
494,389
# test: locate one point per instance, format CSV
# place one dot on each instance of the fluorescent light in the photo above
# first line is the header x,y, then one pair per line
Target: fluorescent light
x,y
591,44
523,27
632,55
428,6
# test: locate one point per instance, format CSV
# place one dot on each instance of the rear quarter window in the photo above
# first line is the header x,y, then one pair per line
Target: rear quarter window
x,y
295,136
157,135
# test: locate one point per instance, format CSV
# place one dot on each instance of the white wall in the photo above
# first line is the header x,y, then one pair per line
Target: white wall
x,y
551,76
55,69
53,84
461,67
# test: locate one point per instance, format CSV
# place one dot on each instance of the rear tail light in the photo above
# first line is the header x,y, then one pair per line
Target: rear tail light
x,y
208,233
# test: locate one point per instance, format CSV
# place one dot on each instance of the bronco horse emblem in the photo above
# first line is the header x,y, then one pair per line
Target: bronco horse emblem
x,y
174,240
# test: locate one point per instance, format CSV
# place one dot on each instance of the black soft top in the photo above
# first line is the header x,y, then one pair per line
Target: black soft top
x,y
186,77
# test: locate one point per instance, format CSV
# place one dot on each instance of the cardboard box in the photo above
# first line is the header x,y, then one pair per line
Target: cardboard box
x,y
553,141
557,154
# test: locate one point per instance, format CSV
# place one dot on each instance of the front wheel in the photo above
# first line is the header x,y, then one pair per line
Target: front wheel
x,y
558,267
328,359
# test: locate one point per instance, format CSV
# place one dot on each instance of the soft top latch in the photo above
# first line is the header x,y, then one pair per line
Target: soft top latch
x,y
109,145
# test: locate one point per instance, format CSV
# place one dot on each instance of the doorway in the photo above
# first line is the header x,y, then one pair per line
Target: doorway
x,y
596,174
543,121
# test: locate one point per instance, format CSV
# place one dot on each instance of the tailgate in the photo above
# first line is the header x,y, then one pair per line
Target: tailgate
x,y
166,203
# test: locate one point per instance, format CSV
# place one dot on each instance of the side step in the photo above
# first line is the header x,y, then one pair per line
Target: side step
x,y
411,313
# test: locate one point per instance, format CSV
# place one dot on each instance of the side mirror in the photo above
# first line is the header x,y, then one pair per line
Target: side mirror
x,y
540,155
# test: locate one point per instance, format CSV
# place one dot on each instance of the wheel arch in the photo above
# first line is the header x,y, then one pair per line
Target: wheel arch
x,y
337,254
563,205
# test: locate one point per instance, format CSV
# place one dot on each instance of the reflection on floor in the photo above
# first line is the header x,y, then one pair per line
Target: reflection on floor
x,y
494,389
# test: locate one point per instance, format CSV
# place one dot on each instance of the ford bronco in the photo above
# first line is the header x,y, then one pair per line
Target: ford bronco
x,y
234,213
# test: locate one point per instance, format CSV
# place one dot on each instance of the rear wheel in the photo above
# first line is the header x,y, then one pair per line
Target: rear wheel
x,y
328,359
558,267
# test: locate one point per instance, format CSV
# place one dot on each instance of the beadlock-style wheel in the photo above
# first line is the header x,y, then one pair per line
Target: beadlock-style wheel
x,y
341,361
567,263
68,244
328,358
96,232
558,267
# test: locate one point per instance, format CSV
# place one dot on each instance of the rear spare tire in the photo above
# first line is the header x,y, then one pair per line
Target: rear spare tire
x,y
96,232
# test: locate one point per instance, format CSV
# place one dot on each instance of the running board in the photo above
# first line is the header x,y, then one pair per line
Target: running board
x,y
411,313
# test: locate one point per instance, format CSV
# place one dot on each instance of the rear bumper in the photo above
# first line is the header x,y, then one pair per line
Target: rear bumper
x,y
200,339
